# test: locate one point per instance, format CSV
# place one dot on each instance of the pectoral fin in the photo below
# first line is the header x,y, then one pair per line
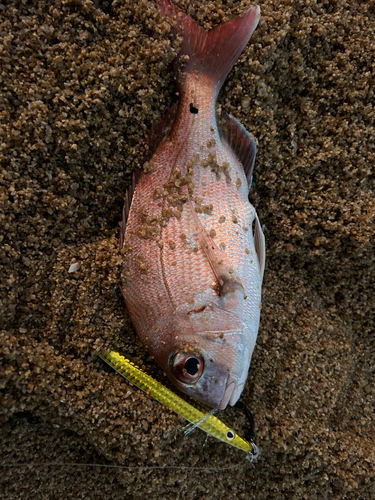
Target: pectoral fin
x,y
260,246
224,273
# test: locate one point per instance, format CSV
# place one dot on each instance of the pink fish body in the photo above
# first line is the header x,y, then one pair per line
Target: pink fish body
x,y
193,246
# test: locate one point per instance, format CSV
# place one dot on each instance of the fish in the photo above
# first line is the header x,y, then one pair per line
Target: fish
x,y
193,249
198,416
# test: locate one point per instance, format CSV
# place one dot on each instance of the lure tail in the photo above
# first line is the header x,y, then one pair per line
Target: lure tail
x,y
212,53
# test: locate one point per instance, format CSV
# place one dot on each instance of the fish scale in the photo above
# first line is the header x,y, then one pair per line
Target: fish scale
x,y
191,280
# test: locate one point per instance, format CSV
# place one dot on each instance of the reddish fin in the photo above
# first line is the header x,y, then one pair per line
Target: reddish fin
x,y
219,261
137,173
156,134
241,142
159,131
260,246
212,52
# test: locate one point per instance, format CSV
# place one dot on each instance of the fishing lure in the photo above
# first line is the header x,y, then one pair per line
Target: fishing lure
x,y
194,413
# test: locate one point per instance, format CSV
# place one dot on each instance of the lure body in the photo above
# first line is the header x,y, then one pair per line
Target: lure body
x,y
212,425
193,268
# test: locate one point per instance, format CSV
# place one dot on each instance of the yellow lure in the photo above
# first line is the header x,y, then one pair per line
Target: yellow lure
x,y
198,417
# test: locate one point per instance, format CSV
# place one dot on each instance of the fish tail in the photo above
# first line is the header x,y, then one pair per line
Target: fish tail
x,y
213,52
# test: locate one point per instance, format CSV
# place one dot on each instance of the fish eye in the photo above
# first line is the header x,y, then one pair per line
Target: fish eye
x,y
230,435
187,367
192,366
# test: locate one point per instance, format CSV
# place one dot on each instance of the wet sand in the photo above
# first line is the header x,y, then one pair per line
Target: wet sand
x,y
81,83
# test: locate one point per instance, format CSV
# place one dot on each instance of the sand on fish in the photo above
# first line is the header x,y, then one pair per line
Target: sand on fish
x,y
81,83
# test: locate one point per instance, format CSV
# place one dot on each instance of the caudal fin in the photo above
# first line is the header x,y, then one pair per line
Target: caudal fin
x,y
212,52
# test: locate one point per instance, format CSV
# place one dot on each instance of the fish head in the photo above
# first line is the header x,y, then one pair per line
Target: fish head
x,y
210,357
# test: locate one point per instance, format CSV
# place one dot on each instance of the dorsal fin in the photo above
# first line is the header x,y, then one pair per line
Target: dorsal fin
x,y
137,173
240,141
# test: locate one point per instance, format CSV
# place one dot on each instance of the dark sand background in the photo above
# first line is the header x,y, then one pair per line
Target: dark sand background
x,y
81,83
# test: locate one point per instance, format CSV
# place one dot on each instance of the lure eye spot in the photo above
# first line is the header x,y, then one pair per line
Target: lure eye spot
x,y
193,109
230,435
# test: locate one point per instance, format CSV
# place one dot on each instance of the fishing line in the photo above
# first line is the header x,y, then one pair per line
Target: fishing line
x,y
247,459
205,441
250,433
193,425
165,396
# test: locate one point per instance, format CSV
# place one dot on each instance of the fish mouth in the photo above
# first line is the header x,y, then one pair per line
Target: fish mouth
x,y
236,393
230,391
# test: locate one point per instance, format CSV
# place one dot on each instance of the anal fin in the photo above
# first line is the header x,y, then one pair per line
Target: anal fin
x,y
137,174
159,131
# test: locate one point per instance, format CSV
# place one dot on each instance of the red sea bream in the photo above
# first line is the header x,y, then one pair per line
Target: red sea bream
x,y
193,246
